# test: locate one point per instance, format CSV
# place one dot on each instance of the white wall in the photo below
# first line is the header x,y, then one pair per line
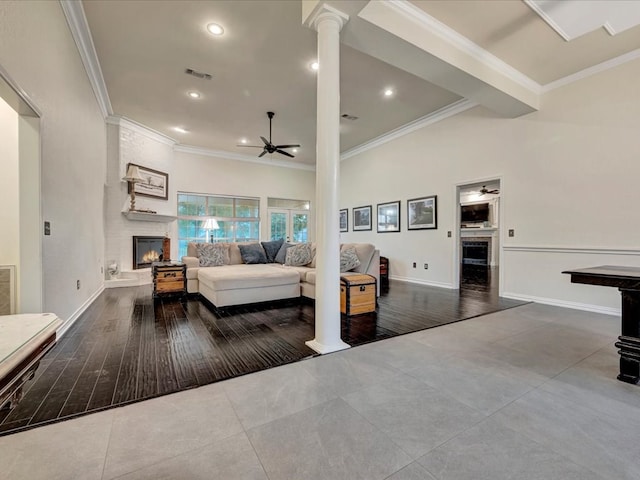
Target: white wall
x,y
203,174
9,181
133,144
569,179
38,52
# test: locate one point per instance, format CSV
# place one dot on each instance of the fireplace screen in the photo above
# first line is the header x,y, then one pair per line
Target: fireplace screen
x,y
476,252
146,250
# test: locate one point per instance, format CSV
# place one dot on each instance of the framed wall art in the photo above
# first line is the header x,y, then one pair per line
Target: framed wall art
x,y
422,213
154,183
344,220
362,218
389,217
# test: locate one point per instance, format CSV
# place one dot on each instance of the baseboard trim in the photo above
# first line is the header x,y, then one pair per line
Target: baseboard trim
x,y
423,282
563,303
72,319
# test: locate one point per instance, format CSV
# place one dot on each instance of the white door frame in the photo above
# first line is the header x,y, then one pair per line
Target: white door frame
x,y
289,213
30,270
457,239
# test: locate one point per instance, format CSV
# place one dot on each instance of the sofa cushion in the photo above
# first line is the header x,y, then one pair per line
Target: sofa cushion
x,y
348,259
364,251
212,254
271,249
282,253
298,255
302,271
252,253
234,277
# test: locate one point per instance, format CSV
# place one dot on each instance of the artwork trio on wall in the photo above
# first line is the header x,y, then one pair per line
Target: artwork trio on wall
x,y
422,214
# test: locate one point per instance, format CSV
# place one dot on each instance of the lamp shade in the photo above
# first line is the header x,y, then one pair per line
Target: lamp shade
x,y
133,175
210,224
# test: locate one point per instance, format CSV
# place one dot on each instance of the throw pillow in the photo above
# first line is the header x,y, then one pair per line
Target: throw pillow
x,y
272,248
212,254
281,256
298,255
252,253
348,260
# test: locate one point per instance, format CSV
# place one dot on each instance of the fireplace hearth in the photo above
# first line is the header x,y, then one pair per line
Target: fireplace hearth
x,y
147,250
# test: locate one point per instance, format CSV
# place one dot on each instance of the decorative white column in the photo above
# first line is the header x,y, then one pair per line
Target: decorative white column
x,y
328,22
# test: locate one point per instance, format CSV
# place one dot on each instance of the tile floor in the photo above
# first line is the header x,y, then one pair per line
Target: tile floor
x,y
526,393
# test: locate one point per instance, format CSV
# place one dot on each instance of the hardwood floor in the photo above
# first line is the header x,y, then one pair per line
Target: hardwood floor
x,y
126,348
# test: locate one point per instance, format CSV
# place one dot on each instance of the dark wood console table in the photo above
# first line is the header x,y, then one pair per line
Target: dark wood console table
x,y
627,280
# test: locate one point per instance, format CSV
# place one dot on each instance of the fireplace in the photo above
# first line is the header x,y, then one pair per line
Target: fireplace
x,y
476,251
147,250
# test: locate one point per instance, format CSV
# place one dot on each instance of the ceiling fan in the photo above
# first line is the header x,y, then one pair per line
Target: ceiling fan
x,y
268,146
484,190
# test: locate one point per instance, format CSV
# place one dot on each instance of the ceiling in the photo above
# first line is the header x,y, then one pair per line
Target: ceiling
x,y
261,64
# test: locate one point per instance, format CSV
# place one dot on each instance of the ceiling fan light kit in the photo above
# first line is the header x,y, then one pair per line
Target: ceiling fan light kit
x,y
268,146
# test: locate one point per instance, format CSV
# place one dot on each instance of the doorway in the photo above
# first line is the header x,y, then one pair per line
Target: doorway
x,y
478,221
21,242
288,220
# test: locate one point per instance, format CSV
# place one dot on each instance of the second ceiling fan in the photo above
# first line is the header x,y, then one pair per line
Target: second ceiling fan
x,y
268,146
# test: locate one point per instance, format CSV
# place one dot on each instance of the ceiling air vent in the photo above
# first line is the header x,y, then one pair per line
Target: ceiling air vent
x,y
346,116
204,76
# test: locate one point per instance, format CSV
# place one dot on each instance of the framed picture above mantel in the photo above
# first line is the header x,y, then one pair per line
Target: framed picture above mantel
x,y
154,183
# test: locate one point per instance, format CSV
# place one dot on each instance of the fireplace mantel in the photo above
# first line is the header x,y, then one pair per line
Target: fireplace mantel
x,y
149,217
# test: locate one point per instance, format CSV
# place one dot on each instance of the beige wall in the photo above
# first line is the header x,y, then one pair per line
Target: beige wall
x,y
38,52
569,180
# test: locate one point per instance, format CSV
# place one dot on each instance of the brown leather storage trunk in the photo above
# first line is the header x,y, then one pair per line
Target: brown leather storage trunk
x,y
357,294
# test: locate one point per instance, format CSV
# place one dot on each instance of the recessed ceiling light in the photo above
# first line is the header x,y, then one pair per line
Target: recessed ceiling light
x,y
388,92
180,130
215,29
243,140
314,65
295,150
194,94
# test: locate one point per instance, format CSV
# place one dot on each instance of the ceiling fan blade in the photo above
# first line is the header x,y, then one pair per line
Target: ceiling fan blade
x,y
284,153
265,141
264,152
287,146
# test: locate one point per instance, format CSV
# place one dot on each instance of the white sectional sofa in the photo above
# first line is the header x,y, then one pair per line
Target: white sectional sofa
x,y
238,283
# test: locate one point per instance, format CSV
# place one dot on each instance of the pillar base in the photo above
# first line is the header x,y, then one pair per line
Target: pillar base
x,y
322,349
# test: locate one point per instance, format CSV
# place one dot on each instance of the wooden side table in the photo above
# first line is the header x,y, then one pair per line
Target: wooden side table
x,y
169,278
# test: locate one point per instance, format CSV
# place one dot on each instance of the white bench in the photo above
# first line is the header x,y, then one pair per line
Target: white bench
x,y
24,339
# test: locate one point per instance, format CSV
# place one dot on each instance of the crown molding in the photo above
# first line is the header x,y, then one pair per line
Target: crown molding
x,y
536,8
433,117
461,42
587,72
140,128
238,156
81,34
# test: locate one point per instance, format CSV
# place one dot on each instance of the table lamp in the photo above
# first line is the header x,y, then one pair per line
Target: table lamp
x,y
133,176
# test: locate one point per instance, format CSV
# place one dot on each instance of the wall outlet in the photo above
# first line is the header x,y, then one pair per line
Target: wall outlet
x,y
414,264
426,266
449,234
512,232
77,284
47,228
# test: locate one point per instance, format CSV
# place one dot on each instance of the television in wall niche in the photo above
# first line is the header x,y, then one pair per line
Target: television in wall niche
x,y
476,213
